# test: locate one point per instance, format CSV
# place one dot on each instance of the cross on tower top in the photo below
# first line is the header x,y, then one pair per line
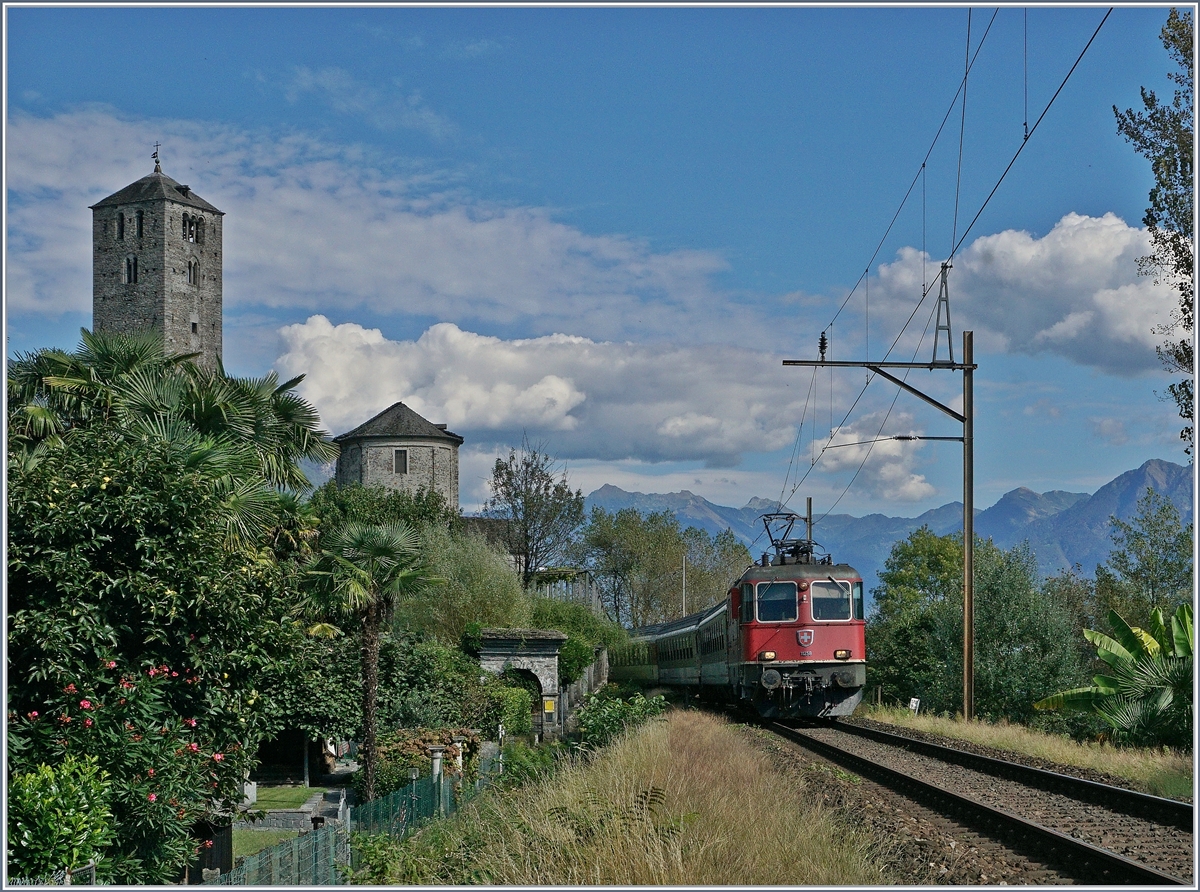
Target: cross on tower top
x,y
157,166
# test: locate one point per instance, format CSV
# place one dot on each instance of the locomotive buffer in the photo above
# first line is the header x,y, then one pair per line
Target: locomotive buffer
x,y
967,419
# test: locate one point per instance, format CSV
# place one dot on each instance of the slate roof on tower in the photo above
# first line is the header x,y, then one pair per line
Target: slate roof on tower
x,y
397,420
155,187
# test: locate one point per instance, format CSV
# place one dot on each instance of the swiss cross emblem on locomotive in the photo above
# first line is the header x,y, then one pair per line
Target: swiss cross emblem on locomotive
x,y
805,637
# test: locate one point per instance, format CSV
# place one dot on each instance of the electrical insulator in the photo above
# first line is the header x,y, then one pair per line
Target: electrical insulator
x,y
822,345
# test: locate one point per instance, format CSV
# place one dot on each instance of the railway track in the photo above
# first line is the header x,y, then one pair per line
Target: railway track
x,y
1087,832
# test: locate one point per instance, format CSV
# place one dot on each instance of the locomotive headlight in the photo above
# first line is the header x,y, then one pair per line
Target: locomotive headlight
x,y
841,654
766,655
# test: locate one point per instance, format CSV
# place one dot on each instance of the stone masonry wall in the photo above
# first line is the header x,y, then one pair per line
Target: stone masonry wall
x,y
187,315
430,466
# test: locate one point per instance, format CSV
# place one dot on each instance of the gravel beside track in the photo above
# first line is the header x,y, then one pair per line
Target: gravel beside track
x,y
968,746
1165,848
919,846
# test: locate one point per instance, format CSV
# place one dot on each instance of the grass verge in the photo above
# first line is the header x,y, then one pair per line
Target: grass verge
x,y
249,842
679,801
289,796
1149,770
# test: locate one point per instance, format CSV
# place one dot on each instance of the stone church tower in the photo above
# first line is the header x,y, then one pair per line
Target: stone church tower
x,y
156,265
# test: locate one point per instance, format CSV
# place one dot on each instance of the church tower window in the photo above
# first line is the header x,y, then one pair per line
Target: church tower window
x,y
121,226
139,224
193,272
130,273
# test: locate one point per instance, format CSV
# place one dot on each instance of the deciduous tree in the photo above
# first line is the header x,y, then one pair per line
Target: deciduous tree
x,y
541,511
1163,134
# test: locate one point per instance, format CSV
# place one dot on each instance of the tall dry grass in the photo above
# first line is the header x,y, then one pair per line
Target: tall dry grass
x,y
680,801
1150,770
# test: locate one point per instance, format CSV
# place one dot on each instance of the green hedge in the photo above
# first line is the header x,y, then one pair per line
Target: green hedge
x,y
58,818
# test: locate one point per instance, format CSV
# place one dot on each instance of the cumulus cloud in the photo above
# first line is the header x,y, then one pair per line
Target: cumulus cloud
x,y
311,225
887,465
1073,292
594,399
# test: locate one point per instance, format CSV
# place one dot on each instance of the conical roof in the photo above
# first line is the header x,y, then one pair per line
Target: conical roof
x,y
397,420
156,187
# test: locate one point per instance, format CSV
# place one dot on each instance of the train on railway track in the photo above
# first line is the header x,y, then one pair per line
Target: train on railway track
x,y
787,642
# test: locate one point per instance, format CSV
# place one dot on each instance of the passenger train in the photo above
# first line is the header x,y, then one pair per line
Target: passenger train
x,y
787,642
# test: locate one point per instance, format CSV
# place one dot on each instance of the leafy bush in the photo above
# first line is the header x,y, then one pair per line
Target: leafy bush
x,y
524,763
514,707
135,631
603,719
403,749
58,818
164,773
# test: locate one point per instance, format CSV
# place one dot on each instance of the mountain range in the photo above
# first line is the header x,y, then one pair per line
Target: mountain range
x,y
1063,528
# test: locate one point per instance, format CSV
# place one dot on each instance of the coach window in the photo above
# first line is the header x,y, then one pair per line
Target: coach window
x,y
776,602
858,600
830,600
748,602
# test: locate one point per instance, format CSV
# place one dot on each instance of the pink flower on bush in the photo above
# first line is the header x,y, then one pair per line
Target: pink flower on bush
x,y
194,747
191,723
152,797
217,757
33,715
70,689
87,723
174,674
150,771
65,719
208,843
85,704
152,672
111,664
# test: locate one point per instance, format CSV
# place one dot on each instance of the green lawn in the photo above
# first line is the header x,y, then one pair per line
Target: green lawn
x,y
248,842
291,796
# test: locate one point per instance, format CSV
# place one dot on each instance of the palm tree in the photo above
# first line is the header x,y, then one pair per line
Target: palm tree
x,y
127,380
1147,698
361,572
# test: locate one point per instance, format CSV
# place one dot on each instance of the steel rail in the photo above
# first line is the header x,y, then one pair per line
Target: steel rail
x,y
1084,862
1156,809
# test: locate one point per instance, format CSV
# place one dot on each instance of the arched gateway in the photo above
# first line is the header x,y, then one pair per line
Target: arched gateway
x,y
534,651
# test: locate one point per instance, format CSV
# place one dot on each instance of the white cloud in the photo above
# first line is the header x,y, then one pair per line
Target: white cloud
x,y
887,465
1110,430
593,399
1074,292
387,108
310,225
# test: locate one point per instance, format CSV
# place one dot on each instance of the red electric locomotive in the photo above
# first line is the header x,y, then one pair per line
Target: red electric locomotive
x,y
788,641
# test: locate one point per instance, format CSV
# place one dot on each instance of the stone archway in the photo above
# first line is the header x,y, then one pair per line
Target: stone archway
x,y
534,651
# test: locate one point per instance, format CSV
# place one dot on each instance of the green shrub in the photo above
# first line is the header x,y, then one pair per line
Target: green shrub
x,y
58,818
404,749
604,718
524,763
514,707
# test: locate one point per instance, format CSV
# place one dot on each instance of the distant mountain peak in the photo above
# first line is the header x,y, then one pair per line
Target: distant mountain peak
x,y
1063,528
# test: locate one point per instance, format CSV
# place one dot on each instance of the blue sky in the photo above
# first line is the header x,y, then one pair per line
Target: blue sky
x,y
604,228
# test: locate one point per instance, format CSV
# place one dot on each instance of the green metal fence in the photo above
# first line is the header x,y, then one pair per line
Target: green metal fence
x,y
311,859
317,858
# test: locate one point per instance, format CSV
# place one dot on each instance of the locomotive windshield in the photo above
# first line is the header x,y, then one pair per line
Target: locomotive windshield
x,y
831,600
776,602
